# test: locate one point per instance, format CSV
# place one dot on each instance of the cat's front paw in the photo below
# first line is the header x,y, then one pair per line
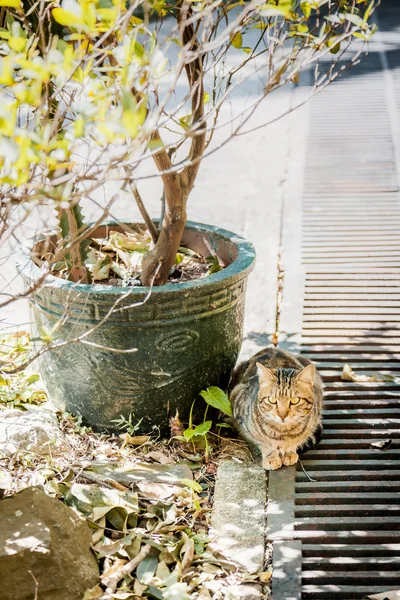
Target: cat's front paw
x,y
272,464
290,458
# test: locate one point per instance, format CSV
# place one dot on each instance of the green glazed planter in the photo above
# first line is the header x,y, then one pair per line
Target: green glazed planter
x,y
188,336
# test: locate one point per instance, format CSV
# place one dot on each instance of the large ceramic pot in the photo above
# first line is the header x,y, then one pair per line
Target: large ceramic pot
x,y
187,336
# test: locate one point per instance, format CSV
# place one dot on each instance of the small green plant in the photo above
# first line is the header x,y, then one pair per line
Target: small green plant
x,y
216,398
127,424
22,387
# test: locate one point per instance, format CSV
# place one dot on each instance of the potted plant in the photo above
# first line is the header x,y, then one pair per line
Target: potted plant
x,y
89,94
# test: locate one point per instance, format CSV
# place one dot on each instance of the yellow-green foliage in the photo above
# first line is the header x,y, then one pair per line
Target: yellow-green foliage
x,y
81,94
53,96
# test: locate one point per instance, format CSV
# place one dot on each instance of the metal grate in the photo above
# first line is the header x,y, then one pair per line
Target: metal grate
x,y
344,508
336,524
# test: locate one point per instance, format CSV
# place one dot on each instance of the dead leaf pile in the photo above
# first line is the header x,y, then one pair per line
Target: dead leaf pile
x,y
148,507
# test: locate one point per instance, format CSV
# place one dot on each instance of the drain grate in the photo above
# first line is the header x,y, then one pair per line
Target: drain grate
x,y
335,520
343,508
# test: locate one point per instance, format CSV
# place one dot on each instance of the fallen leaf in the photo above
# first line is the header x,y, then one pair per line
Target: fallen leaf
x,y
381,444
163,572
188,553
93,593
96,502
349,375
204,594
177,591
98,533
135,440
136,472
265,576
138,588
146,569
158,491
192,484
160,457
117,564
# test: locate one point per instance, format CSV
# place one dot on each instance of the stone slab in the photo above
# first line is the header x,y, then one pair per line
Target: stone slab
x,y
286,574
238,520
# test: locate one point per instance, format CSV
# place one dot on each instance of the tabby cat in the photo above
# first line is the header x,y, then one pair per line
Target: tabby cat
x,y
277,403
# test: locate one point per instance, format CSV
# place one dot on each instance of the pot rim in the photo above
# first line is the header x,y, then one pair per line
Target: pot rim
x,y
243,264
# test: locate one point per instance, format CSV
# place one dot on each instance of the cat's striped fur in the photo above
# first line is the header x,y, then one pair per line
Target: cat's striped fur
x,y
277,404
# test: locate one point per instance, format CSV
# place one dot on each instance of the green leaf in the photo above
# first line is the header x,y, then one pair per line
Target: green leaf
x,y
302,28
33,378
368,11
306,8
237,40
154,592
10,3
146,569
217,398
193,485
203,428
355,19
67,18
335,48
188,434
214,265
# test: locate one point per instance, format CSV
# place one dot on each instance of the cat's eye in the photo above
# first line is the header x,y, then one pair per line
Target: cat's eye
x,y
272,400
294,400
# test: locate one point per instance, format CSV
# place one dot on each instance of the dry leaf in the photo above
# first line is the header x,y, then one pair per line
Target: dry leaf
x,y
204,594
188,553
93,593
265,577
176,425
158,491
381,444
161,458
135,440
117,564
349,375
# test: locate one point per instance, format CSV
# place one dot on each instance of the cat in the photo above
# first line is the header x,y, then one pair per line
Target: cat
x,y
276,399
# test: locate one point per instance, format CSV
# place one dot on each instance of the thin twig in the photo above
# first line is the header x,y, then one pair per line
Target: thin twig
x,y
145,215
99,479
112,581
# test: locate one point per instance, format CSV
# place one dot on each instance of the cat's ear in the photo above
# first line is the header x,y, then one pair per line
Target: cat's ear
x,y
307,375
265,374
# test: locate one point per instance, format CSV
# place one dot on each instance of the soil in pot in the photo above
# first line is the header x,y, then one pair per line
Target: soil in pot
x,y
116,259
